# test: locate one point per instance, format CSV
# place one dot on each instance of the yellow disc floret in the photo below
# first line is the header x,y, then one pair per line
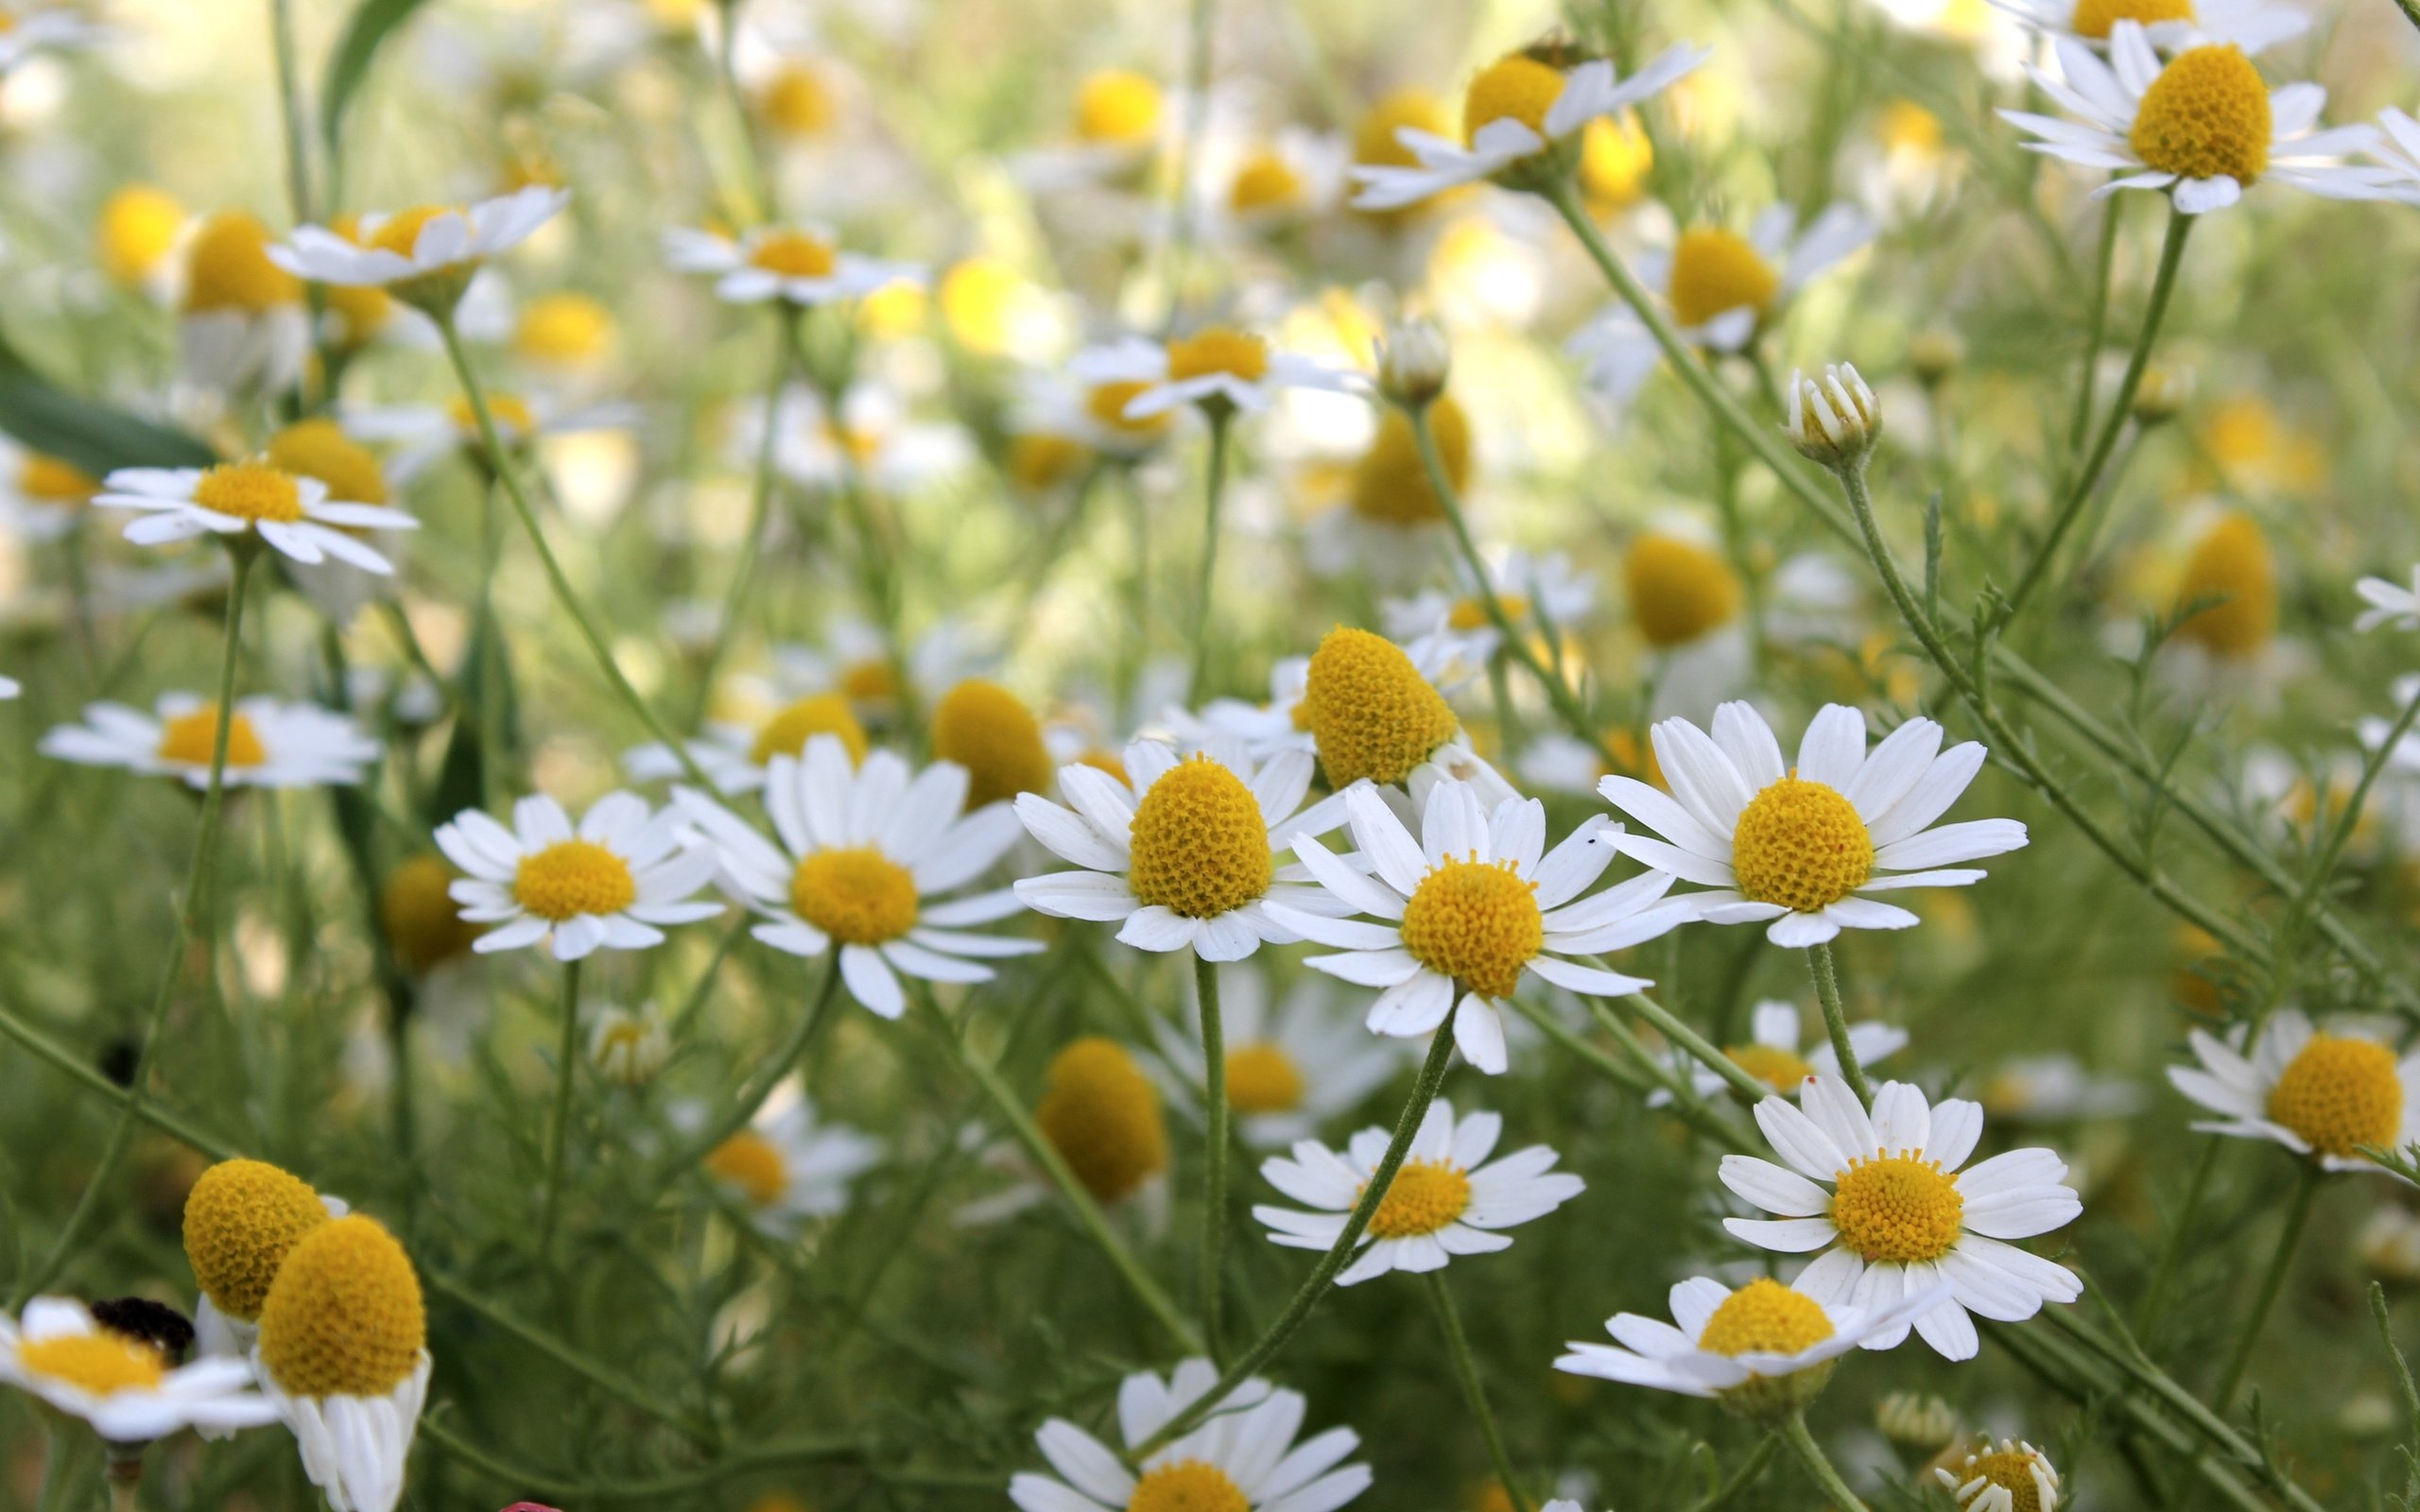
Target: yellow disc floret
x,y
1265,183
749,1163
101,1363
983,727
2340,1094
1117,107
2205,116
423,926
1784,1070
1106,403
318,448
1517,88
574,877
1614,158
1376,142
818,713
46,479
1391,480
399,234
1102,1115
1187,1486
1425,1196
250,491
241,1218
191,738
1765,1318
2095,18
1715,270
2232,567
855,894
1679,591
562,329
1801,843
2017,1472
1200,847
1218,350
345,1318
796,102
794,254
1897,1209
1475,921
1263,1079
227,267
1370,712
137,227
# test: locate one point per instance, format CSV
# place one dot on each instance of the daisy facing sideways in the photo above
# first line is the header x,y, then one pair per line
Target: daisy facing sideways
x,y
1875,1192
1290,1066
800,265
1241,1458
1802,845
1773,1053
607,885
408,246
787,1166
1216,365
290,512
1443,1201
270,743
122,1385
343,1352
2324,1095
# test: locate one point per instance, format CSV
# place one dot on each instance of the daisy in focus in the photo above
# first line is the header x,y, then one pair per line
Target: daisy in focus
x,y
426,254
787,1166
270,743
1446,1199
2328,1096
607,885
1876,1194
1376,711
290,512
1216,365
1773,1053
343,1352
125,1387
802,264
1291,1065
1801,845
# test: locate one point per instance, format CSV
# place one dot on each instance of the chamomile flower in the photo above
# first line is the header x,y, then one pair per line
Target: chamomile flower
x,y
2015,1477
1087,405
2169,26
242,322
854,662
240,1220
1115,127
2319,1094
1446,1199
29,29
2390,603
789,1167
1278,184
1517,111
736,756
343,1352
1773,1053
1241,1458
871,437
2202,127
1876,1193
1101,1113
122,1385
270,743
1215,366
426,254
1392,524
292,513
42,497
630,1046
800,264
861,853
606,884
2396,150
1263,729
423,434
1376,713
2055,1089
1290,1066
1802,846
1472,908
1183,854
1530,588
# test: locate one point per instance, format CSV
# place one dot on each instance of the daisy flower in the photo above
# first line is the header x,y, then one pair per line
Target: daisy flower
x,y
1472,908
1376,710
787,1167
1263,729
2324,1095
1446,1199
1087,411
628,1047
606,884
2055,1089
1530,588
2169,26
290,512
1516,109
270,743
240,1220
1278,184
242,322
1875,1192
1216,365
122,1385
734,756
421,249
1184,853
2014,1475
1115,126
2391,603
1289,1066
1773,1053
343,1352
1243,1458
1801,845
800,264
871,437
41,496
861,851
2202,127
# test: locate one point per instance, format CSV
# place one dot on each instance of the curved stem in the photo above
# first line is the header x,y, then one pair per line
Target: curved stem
x,y
1828,992
1457,1345
1819,1469
2272,1282
1214,1210
753,1092
1212,504
557,1133
760,507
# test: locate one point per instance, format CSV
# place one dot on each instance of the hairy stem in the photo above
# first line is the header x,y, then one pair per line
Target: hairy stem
x,y
1828,992
1457,1346
1213,1163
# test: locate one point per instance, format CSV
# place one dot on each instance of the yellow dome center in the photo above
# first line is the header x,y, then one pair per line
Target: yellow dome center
x,y
1765,1318
191,738
400,232
2205,116
1187,1486
1039,462
794,254
1118,109
1801,845
320,449
100,1362
1263,1079
136,231
1897,1209
2094,18
47,479
1106,403
345,1318
1475,921
797,104
1391,481
749,1163
1102,1116
423,925
574,877
1200,847
1517,88
1425,1196
1784,1070
562,329
2233,568
1370,712
1218,350
1614,159
818,714
1266,182
869,681
855,894
1679,591
241,1218
1717,270
250,491
2339,1094
228,269
2011,1470
983,727
1471,613
1374,142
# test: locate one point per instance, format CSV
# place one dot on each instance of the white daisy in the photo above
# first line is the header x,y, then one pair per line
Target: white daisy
x,y
873,438
420,243
2328,1095
1263,729
2055,1089
1517,108
787,1167
861,853
2251,25
1529,588
290,512
1291,1066
1875,1193
802,264
2396,149
2391,603
2203,125
42,497
1442,1202
270,743
1062,403
1275,184
1722,1342
1772,1054
423,434
1801,845
1187,857
1472,908
734,756
2001,1480
854,661
606,884
123,1386
1214,364
629,1046
1242,1455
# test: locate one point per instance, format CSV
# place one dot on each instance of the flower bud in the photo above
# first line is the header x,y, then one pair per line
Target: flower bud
x,y
2163,394
1833,419
1413,359
1917,1421
1933,355
628,1048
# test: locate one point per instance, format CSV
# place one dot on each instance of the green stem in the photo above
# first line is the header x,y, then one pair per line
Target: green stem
x,y
2155,1299
79,1070
289,97
477,1298
2096,325
559,1132
1828,992
1212,504
1744,1476
2272,1282
1698,1047
1457,1346
753,1092
760,507
1819,1467
1214,1164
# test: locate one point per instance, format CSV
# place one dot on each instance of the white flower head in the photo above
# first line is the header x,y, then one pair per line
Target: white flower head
x,y
1291,1065
609,883
31,28
2170,28
2000,1480
1263,729
428,241
1773,1053
1529,587
802,264
2390,603
789,1167
2319,1094
292,513
41,496
123,1386
1832,418
270,743
1214,366
629,1046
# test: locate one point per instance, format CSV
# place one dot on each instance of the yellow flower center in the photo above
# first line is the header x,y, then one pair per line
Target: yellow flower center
x,y
2094,18
1117,109
513,417
420,920
797,104
1218,350
1102,1115
1906,126
1370,712
574,877
228,269
1187,1486
983,727
1716,270
137,227
1784,1070
345,1318
2011,1470
100,1362
47,479
1200,847
1391,482
1679,591
983,301
1374,144
1039,462
1266,182
2232,567
2339,1094
250,491
869,681
1765,1318
1106,403
1425,1196
1471,613
818,713
562,329
1263,1079
1475,921
320,449
1614,159
1897,1208
749,1162
1800,844
241,1218
855,894
2205,116
1515,88
795,254
191,738
400,232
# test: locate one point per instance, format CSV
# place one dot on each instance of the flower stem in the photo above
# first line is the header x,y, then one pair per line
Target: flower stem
x,y
559,1132
2280,1261
1457,1345
1214,1164
753,1092
1828,992
2155,1299
760,507
1819,1469
1212,506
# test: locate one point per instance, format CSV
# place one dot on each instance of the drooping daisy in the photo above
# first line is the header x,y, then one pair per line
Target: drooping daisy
x,y
1517,110
1802,845
1472,908
2015,1477
861,853
989,731
1216,365
1376,711
2320,1095
736,756
800,264
1241,1458
1772,1056
41,496
343,1352
241,1219
270,743
1446,1199
125,1387
1101,1113
788,1166
290,512
1875,1193
426,254
2390,603
1291,1066
2202,127
606,884
1187,856
1530,588
2169,26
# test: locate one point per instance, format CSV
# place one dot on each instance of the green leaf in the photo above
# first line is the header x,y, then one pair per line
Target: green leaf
x,y
94,437
372,22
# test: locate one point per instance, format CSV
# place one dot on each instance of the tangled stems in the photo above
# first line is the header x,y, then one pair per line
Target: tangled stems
x,y
1222,417
1323,1276
1828,992
1214,1164
1819,1467
1457,1343
557,1133
760,506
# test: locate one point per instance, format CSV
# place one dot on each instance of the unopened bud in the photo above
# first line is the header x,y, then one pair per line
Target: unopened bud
x,y
1933,356
1916,1420
1834,419
1413,359
628,1048
2163,394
